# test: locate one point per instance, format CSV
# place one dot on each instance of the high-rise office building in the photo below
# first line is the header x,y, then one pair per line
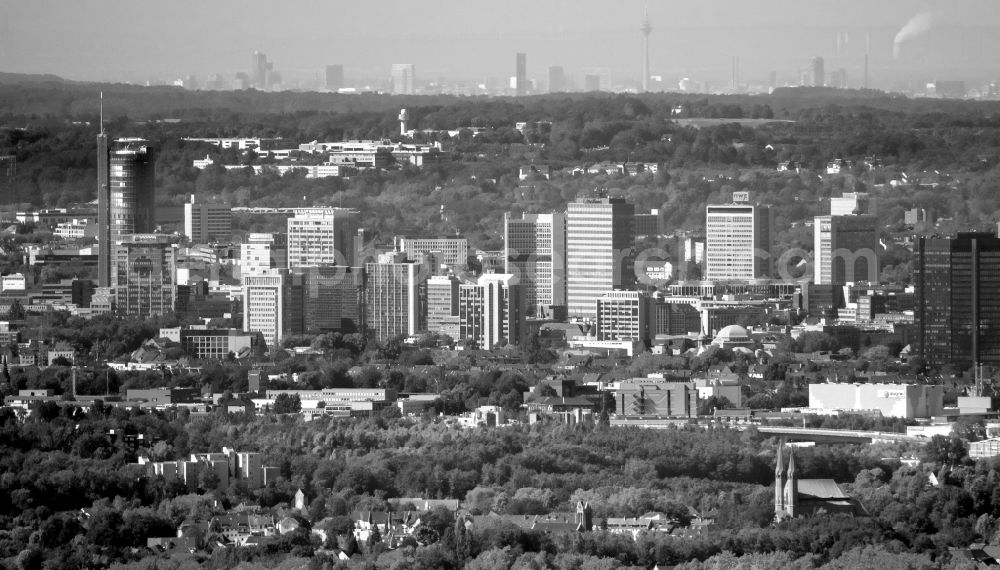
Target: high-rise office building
x,y
535,253
491,312
260,71
144,275
845,249
521,74
818,72
326,298
322,236
403,79
334,77
125,196
600,235
207,222
557,79
846,243
737,242
957,311
261,252
265,298
442,305
393,297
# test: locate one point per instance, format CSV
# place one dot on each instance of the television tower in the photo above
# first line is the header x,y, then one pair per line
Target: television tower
x,y
646,28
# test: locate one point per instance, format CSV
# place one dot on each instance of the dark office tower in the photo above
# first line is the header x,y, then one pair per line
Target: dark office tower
x,y
521,77
557,79
957,312
334,77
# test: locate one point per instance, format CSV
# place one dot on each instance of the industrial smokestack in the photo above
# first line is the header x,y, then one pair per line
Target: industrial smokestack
x,y
917,25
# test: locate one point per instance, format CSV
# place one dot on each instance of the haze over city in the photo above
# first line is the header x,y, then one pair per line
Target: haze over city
x,y
475,40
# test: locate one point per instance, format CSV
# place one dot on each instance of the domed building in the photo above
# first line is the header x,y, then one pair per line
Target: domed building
x,y
733,336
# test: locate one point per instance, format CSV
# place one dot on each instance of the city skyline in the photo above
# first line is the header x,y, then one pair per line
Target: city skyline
x,y
941,41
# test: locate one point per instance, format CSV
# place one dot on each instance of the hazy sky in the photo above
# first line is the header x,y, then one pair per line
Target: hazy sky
x,y
138,40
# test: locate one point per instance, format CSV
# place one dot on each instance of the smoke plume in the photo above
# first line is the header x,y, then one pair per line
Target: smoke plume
x,y
917,25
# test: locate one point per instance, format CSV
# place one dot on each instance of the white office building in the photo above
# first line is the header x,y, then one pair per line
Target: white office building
x,y
600,234
262,252
264,298
535,253
322,236
737,242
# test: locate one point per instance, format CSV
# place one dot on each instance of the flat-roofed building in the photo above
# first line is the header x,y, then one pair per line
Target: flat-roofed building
x,y
215,344
322,236
491,312
535,253
265,295
892,400
442,305
957,310
262,252
394,297
144,273
600,235
454,252
207,222
623,315
655,397
328,298
737,242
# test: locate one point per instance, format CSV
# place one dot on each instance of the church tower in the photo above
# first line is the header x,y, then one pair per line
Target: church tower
x,y
584,516
779,486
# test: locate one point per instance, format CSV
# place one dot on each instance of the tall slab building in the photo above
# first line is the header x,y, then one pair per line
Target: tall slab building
x,y
521,74
394,297
266,296
491,312
957,312
535,253
403,79
737,241
846,243
600,234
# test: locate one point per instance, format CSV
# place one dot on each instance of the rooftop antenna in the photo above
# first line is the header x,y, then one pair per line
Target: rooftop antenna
x,y
102,112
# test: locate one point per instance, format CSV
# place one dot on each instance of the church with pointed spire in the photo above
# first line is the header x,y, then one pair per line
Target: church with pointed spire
x,y
795,497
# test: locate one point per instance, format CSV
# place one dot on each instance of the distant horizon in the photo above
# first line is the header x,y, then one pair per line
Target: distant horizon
x,y
475,41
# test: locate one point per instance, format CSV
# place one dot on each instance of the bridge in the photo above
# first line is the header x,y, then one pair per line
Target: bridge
x,y
821,435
